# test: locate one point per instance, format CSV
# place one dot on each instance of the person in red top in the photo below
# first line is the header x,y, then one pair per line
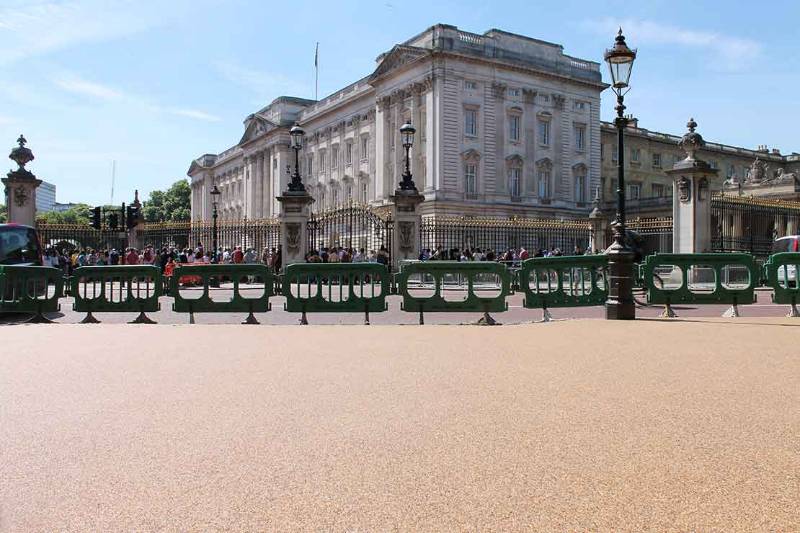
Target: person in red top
x,y
238,256
523,254
131,258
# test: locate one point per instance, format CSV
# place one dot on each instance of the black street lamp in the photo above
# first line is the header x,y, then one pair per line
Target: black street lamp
x,y
407,132
620,304
215,192
296,184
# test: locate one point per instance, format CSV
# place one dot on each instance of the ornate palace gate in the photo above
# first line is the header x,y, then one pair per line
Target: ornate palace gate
x,y
68,237
353,226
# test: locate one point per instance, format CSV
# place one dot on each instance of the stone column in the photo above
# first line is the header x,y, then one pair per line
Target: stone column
x,y
295,212
407,220
691,208
20,187
599,227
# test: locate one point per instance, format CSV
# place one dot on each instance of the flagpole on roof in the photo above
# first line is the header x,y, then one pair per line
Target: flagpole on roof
x,y
316,72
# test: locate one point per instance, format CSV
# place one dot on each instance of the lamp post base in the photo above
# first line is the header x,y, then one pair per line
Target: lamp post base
x,y
620,304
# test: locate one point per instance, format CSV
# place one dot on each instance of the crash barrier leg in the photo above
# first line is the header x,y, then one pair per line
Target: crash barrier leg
x,y
31,289
564,281
712,278
422,286
782,274
199,279
335,288
116,289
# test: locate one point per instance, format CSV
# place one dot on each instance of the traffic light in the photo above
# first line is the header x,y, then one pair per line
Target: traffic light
x,y
113,221
97,220
132,216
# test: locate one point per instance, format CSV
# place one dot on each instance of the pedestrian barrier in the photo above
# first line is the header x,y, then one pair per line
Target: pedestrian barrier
x,y
781,273
31,289
335,288
728,278
425,286
564,281
252,284
116,289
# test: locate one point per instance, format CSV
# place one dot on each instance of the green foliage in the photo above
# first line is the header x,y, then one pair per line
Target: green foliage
x,y
3,213
79,214
170,205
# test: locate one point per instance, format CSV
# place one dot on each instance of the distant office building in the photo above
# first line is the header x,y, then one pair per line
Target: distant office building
x,y
45,197
60,208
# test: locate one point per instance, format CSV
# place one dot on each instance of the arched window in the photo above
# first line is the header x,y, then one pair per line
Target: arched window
x,y
579,174
544,178
514,165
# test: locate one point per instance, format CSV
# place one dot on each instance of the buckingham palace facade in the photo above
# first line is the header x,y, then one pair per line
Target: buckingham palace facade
x,y
506,125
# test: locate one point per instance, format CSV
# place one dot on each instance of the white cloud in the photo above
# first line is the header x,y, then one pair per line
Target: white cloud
x,y
265,85
40,27
733,52
83,87
195,114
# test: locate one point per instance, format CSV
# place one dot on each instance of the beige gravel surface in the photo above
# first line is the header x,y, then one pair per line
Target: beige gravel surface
x,y
567,426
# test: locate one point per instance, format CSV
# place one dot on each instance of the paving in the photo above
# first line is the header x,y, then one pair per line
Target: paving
x,y
574,425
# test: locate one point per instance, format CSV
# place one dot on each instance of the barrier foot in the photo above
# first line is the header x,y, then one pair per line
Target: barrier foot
x,y
251,319
546,316
142,319
668,312
487,320
303,319
191,317
39,318
421,318
89,319
732,312
793,312
366,317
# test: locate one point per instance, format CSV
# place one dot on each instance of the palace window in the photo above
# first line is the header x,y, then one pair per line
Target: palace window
x,y
579,106
544,132
470,85
636,155
634,191
614,153
515,181
364,147
335,156
348,153
579,173
513,93
470,178
731,171
310,165
544,177
714,164
658,190
580,137
513,127
364,192
471,122
322,161
656,160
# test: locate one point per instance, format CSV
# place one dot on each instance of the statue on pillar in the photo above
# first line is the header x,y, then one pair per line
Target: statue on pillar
x,y
20,186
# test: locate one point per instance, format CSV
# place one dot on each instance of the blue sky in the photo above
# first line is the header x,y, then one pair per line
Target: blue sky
x,y
153,84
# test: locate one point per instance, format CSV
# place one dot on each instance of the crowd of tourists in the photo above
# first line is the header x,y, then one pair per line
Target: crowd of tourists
x,y
167,258
511,255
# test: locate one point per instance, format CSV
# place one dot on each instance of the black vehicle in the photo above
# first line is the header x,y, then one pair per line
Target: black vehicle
x,y
19,245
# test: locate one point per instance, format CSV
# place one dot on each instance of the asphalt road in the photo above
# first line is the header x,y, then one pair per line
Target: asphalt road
x,y
579,425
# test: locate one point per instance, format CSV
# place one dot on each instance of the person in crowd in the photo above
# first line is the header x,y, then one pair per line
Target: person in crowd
x,y
238,255
333,255
383,256
359,256
250,256
277,261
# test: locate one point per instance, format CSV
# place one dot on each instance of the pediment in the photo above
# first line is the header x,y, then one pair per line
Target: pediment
x,y
398,56
470,154
256,126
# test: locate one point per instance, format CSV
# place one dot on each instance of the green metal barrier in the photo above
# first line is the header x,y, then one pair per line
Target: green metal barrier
x,y
31,289
565,281
781,272
116,289
428,281
728,278
335,288
206,277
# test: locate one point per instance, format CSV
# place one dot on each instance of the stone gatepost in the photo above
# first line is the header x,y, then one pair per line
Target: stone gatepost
x,y
598,230
691,207
295,212
407,221
20,187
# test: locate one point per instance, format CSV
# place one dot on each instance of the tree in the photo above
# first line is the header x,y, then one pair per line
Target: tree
x,y
78,214
174,204
3,213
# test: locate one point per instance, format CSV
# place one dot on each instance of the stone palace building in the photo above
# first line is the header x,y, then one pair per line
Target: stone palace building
x,y
506,125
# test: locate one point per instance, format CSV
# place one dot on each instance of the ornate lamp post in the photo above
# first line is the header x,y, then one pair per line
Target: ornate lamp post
x,y
214,198
407,132
620,305
296,184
